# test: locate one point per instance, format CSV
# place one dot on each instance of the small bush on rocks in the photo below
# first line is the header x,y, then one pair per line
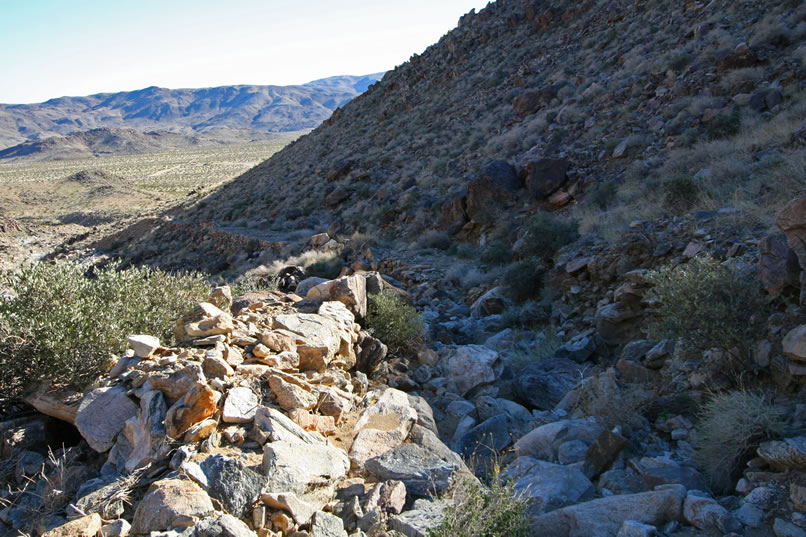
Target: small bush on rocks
x,y
61,325
731,427
494,511
497,253
706,303
394,322
523,279
546,233
681,192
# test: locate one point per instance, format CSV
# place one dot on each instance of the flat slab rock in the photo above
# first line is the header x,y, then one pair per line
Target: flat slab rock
x,y
102,414
422,472
424,516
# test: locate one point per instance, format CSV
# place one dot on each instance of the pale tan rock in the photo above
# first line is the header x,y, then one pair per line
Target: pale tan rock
x,y
291,396
286,361
794,344
313,422
170,503
143,345
240,406
202,321
298,509
201,430
260,351
221,297
175,385
87,526
278,342
233,355
216,367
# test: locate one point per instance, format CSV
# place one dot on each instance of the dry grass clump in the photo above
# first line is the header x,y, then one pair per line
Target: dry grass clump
x,y
731,427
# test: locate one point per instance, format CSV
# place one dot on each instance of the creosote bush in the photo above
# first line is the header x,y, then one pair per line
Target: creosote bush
x,y
62,326
497,253
547,233
731,427
394,322
706,303
494,511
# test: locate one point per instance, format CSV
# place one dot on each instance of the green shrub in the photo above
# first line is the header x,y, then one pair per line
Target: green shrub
x,y
394,322
436,239
681,192
706,303
546,233
327,268
63,326
523,279
497,253
494,511
731,427
251,283
724,126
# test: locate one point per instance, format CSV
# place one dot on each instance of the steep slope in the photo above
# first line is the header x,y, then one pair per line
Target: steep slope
x,y
255,108
615,92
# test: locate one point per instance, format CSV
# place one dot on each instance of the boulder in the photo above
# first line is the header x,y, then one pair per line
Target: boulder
x,y
292,467
703,512
327,525
470,366
424,516
170,503
349,290
656,471
544,442
299,510
544,384
604,517
794,344
214,366
196,405
423,472
146,431
545,176
495,184
274,426
231,482
454,214
548,486
318,338
602,452
86,526
371,353
778,264
492,302
176,384
221,525
631,528
102,414
787,454
143,345
202,321
239,406
290,396
382,426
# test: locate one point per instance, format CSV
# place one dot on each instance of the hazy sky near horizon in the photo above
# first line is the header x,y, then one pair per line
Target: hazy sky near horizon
x,y
53,48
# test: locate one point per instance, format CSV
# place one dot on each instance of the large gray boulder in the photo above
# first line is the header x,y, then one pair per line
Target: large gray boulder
x,y
548,486
423,472
102,415
232,483
544,384
604,517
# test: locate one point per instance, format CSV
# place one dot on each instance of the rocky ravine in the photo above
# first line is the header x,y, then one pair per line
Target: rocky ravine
x,y
278,415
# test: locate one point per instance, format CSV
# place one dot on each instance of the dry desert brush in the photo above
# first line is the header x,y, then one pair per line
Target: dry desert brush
x,y
494,511
731,427
62,325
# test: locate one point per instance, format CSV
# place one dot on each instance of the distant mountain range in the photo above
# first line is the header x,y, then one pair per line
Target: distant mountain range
x,y
226,110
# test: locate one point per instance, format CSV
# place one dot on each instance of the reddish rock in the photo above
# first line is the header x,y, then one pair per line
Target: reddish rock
x,y
196,405
545,176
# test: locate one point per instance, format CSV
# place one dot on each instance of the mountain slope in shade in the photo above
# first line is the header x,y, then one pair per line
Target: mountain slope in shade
x,y
189,111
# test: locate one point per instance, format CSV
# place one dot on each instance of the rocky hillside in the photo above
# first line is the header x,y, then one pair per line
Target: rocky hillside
x,y
607,102
597,210
187,111
112,141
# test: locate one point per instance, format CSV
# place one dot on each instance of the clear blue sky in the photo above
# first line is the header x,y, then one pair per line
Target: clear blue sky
x,y
52,48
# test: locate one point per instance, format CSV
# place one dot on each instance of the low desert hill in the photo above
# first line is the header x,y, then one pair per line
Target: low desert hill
x,y
187,111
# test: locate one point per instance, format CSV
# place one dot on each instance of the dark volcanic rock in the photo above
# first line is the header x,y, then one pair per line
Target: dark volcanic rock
x,y
545,176
544,384
497,183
